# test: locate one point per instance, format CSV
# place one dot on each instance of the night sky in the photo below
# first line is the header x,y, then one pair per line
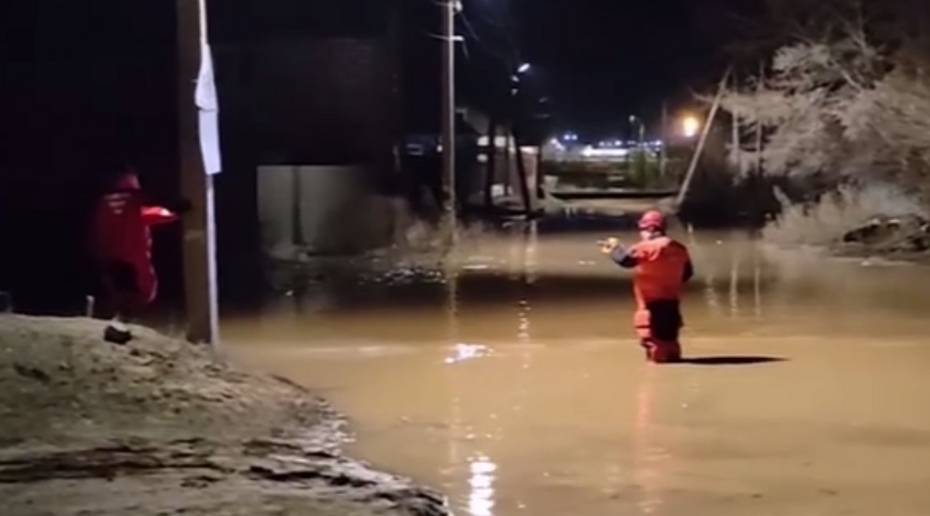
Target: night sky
x,y
599,60
603,60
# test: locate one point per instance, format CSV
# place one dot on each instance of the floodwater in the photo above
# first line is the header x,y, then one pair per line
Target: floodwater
x,y
518,389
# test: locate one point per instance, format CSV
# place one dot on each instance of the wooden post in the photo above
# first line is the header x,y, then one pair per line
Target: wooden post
x,y
540,177
734,284
448,104
736,146
297,215
521,172
759,128
196,185
508,161
490,171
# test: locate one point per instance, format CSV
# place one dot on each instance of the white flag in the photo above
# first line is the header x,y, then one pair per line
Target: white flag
x,y
209,108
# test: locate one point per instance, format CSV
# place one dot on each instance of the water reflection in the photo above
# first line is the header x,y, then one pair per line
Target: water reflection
x,y
734,284
462,352
757,278
481,483
516,385
650,457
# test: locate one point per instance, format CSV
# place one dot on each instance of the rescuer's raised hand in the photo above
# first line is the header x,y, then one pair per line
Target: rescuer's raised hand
x,y
608,245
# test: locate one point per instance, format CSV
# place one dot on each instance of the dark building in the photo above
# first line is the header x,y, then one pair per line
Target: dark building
x,y
90,86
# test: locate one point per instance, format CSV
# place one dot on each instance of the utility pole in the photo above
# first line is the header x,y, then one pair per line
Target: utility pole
x,y
737,145
449,8
705,131
196,180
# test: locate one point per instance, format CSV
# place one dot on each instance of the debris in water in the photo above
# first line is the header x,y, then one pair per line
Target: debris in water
x,y
462,352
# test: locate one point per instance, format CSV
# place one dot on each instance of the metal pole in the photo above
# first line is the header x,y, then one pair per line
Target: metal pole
x,y
196,185
448,104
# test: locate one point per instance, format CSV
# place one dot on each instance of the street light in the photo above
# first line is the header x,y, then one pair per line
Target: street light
x,y
518,71
690,126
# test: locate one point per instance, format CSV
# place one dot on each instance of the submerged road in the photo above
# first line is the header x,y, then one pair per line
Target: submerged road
x,y
519,390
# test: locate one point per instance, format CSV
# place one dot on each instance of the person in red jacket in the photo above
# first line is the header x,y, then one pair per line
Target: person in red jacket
x,y
661,266
121,244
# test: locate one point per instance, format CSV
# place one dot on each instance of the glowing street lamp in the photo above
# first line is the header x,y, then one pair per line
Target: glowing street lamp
x,y
518,71
690,126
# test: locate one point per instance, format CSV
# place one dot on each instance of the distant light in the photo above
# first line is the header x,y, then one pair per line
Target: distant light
x,y
523,68
590,152
690,126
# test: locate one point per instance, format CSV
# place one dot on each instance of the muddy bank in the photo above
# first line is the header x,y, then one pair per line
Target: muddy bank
x,y
160,427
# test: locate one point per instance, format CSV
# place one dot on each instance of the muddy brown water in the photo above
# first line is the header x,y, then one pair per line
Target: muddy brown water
x,y
517,388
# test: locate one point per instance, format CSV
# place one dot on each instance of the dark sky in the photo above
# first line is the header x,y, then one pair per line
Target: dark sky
x,y
599,60
604,60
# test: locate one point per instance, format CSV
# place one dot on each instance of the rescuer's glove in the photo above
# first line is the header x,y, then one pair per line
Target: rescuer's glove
x,y
607,246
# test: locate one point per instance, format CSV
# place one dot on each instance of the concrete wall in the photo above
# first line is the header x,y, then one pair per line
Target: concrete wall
x,y
507,174
321,210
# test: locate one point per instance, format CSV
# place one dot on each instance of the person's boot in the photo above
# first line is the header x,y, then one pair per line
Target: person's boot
x,y
666,352
650,348
117,333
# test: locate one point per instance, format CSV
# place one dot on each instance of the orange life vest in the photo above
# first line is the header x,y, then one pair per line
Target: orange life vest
x,y
659,271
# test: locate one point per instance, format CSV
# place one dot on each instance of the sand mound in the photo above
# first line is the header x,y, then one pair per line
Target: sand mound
x,y
161,427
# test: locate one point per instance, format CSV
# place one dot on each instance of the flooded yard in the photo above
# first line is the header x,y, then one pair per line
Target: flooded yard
x,y
517,387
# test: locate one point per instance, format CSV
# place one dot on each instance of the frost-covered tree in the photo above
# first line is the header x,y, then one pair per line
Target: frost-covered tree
x,y
852,103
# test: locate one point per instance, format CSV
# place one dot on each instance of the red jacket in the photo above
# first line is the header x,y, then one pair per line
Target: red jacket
x,y
120,231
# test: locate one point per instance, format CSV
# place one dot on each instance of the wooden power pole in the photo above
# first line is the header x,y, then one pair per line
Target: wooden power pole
x,y
705,131
196,181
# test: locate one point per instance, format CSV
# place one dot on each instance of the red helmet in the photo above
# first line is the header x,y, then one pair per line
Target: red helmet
x,y
128,181
652,220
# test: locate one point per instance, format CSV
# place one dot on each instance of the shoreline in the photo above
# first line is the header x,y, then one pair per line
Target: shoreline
x,y
160,427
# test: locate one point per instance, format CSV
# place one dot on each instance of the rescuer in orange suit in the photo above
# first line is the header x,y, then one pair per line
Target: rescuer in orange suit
x,y
661,266
121,245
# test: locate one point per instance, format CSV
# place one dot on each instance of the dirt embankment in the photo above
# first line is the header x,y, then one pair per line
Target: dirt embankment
x,y
159,427
877,222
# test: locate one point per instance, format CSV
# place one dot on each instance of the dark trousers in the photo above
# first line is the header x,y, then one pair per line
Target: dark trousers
x,y
120,288
665,319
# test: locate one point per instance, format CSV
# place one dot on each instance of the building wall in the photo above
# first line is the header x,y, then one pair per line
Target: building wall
x,y
329,209
325,101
